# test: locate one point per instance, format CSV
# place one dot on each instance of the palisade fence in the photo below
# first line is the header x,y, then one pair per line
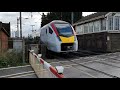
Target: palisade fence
x,y
44,69
18,45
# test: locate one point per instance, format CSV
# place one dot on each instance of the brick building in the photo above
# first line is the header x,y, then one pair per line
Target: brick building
x,y
4,35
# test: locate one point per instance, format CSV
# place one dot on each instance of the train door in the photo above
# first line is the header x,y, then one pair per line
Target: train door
x,y
50,38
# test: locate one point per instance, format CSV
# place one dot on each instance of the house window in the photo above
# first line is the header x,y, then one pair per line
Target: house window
x,y
103,24
96,26
79,29
110,23
86,28
90,27
116,27
82,29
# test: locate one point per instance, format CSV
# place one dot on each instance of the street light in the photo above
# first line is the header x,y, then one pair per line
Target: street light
x,y
26,18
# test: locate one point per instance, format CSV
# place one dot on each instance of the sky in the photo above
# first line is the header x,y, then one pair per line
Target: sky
x,y
87,13
28,19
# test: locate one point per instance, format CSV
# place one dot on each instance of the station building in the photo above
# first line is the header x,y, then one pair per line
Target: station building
x,y
99,32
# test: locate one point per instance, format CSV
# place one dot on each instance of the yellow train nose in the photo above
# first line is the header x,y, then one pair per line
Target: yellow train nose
x,y
67,39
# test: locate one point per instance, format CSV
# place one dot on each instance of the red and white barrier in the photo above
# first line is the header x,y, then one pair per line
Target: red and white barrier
x,y
58,71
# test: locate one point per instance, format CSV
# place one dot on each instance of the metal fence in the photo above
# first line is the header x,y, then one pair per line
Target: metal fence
x,y
44,69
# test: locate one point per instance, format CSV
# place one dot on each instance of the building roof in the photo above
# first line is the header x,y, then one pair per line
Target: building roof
x,y
90,17
5,27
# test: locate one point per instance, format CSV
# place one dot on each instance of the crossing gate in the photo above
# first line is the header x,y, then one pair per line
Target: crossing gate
x,y
44,69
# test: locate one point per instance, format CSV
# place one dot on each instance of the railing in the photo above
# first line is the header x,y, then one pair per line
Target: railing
x,y
44,69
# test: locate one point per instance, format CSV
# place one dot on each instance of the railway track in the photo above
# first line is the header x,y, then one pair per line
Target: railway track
x,y
74,56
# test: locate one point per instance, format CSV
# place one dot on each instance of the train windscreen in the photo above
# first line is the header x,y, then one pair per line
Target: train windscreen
x,y
64,29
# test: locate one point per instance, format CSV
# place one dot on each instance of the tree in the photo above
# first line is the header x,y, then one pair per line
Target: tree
x,y
65,16
44,19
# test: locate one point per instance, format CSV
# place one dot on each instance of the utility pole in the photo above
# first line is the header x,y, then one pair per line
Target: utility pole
x,y
23,42
20,26
72,17
17,27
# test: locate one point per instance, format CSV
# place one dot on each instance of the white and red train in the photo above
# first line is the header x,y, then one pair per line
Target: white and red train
x,y
59,36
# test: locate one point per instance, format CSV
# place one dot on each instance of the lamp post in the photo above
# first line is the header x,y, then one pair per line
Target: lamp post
x,y
32,29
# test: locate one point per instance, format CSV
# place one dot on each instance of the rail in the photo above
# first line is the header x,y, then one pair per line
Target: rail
x,y
44,69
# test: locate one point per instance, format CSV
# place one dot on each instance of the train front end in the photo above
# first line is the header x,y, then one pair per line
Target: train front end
x,y
66,40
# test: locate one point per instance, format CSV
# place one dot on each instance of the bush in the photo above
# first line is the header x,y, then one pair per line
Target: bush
x,y
10,59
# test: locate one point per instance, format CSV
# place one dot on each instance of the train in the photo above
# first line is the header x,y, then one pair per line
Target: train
x,y
59,36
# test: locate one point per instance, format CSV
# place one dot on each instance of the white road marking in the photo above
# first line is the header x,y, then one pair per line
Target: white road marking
x,y
14,67
16,74
24,75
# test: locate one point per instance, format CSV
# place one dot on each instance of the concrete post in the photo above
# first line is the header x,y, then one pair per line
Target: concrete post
x,y
43,50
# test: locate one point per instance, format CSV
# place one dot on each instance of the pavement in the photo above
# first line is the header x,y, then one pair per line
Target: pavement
x,y
18,72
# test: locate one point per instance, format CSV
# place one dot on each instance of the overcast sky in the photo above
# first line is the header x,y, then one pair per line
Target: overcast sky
x,y
33,19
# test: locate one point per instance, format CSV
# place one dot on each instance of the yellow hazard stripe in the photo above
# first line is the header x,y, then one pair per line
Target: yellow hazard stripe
x,y
67,39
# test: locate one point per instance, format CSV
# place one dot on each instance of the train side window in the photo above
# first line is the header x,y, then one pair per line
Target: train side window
x,y
50,30
46,31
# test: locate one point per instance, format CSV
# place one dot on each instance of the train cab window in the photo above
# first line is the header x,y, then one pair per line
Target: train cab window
x,y
50,30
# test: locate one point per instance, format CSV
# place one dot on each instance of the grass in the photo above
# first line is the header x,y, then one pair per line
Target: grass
x,y
10,59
